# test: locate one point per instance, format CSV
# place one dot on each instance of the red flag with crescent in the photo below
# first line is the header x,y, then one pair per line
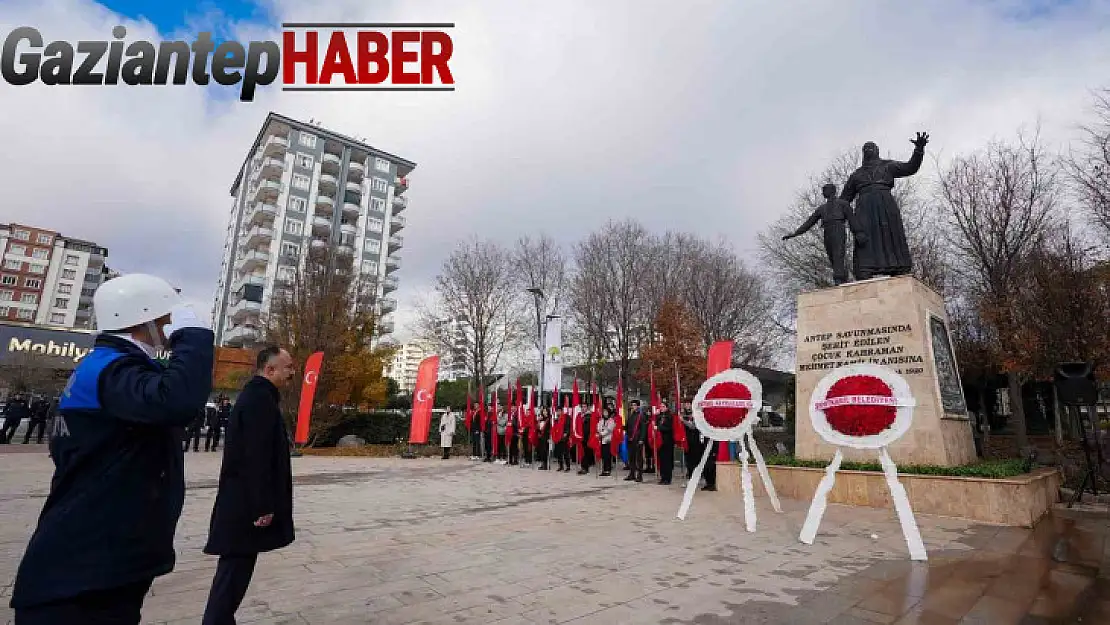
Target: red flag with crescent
x,y
678,427
423,399
559,420
719,359
618,425
308,392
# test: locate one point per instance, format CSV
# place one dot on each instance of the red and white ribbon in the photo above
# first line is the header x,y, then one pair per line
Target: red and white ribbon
x,y
859,400
726,403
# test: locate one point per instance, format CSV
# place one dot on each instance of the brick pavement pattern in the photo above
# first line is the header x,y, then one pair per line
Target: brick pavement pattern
x,y
395,541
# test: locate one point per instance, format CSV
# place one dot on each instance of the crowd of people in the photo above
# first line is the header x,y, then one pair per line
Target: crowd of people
x,y
644,440
213,421
39,410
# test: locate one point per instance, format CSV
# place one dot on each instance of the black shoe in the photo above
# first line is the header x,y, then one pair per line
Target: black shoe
x,y
709,488
543,468
664,482
606,473
629,479
582,472
640,479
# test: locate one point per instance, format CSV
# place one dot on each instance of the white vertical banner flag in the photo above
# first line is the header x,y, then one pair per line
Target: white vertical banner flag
x,y
553,353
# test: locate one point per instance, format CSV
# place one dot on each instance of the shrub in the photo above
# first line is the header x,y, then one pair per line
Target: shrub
x,y
990,469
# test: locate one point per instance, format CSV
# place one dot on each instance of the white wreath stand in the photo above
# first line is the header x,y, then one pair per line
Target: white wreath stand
x,y
745,479
897,492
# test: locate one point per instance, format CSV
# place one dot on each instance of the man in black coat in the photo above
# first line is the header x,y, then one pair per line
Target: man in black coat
x,y
193,432
635,432
217,421
253,513
106,529
40,408
16,411
664,424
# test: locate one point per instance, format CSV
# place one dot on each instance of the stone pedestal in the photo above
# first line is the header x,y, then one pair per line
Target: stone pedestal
x,y
897,322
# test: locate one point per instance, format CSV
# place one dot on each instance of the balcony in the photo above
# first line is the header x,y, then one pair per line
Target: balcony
x,y
328,181
354,187
271,169
388,305
275,146
324,202
266,191
396,222
331,164
321,225
385,327
395,243
390,284
261,213
392,263
351,209
400,184
348,228
239,336
253,279
400,203
356,167
320,244
346,249
258,235
252,260
244,309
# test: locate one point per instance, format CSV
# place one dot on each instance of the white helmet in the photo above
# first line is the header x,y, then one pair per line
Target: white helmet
x,y
132,300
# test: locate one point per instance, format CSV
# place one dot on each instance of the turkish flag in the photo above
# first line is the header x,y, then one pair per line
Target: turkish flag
x,y
678,428
423,399
720,359
559,420
308,391
469,414
594,439
618,426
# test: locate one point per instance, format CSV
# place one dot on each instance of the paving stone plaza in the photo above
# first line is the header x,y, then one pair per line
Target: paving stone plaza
x,y
395,541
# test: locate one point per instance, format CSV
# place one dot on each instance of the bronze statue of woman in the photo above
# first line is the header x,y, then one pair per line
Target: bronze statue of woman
x,y
884,250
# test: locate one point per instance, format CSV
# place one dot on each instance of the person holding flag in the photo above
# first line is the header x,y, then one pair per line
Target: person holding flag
x,y
664,428
636,436
543,437
618,444
474,426
605,427
560,433
531,437
499,441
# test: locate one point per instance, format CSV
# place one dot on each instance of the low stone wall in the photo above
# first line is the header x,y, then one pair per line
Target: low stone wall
x,y
1018,501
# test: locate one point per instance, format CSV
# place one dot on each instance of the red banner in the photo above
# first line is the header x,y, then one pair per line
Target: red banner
x,y
720,359
423,399
308,391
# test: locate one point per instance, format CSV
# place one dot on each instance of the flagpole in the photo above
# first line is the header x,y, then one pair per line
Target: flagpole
x,y
678,411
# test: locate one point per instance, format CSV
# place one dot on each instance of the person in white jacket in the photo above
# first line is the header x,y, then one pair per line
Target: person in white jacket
x,y
605,429
447,432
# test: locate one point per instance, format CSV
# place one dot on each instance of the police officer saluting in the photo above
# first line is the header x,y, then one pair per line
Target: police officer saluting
x,y
107,527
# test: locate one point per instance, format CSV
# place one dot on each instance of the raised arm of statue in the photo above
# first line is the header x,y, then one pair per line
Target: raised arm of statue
x,y
804,228
910,167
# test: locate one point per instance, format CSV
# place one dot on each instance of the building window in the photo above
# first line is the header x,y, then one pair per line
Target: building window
x,y
65,289
6,296
61,302
58,318
32,283
301,181
346,239
369,266
22,235
373,245
39,269
380,185
290,249
44,239
297,204
304,160
29,298
381,164
72,259
40,253
25,313
374,224
307,140
377,204
13,264
69,274
8,280
4,312
287,274
293,226
18,250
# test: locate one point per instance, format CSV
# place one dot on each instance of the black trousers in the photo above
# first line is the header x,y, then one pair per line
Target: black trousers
x,y
694,449
193,434
35,423
666,459
212,438
636,460
446,453
487,438
526,443
587,457
502,447
606,458
9,429
229,586
514,449
710,471
562,454
116,606
476,444
541,452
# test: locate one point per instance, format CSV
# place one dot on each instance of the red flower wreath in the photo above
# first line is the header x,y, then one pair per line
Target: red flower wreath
x,y
722,417
858,420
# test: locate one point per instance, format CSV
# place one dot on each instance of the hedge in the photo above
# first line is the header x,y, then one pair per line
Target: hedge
x,y
989,469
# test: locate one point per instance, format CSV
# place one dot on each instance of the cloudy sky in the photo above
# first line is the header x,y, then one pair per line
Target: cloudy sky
x,y
700,115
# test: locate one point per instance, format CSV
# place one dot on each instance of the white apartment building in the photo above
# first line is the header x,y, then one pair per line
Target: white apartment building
x,y
47,278
406,362
303,186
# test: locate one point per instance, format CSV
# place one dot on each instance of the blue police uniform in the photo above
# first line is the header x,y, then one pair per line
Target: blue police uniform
x,y
106,529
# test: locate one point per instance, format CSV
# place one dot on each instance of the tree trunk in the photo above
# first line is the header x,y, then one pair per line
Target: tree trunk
x,y
1017,411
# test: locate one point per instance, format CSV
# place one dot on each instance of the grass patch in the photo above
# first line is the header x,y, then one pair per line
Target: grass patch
x,y
989,469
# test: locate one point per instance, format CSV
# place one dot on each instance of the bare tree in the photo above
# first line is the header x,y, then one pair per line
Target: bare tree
x,y
541,265
731,302
25,372
1088,166
669,270
607,291
1001,201
477,306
